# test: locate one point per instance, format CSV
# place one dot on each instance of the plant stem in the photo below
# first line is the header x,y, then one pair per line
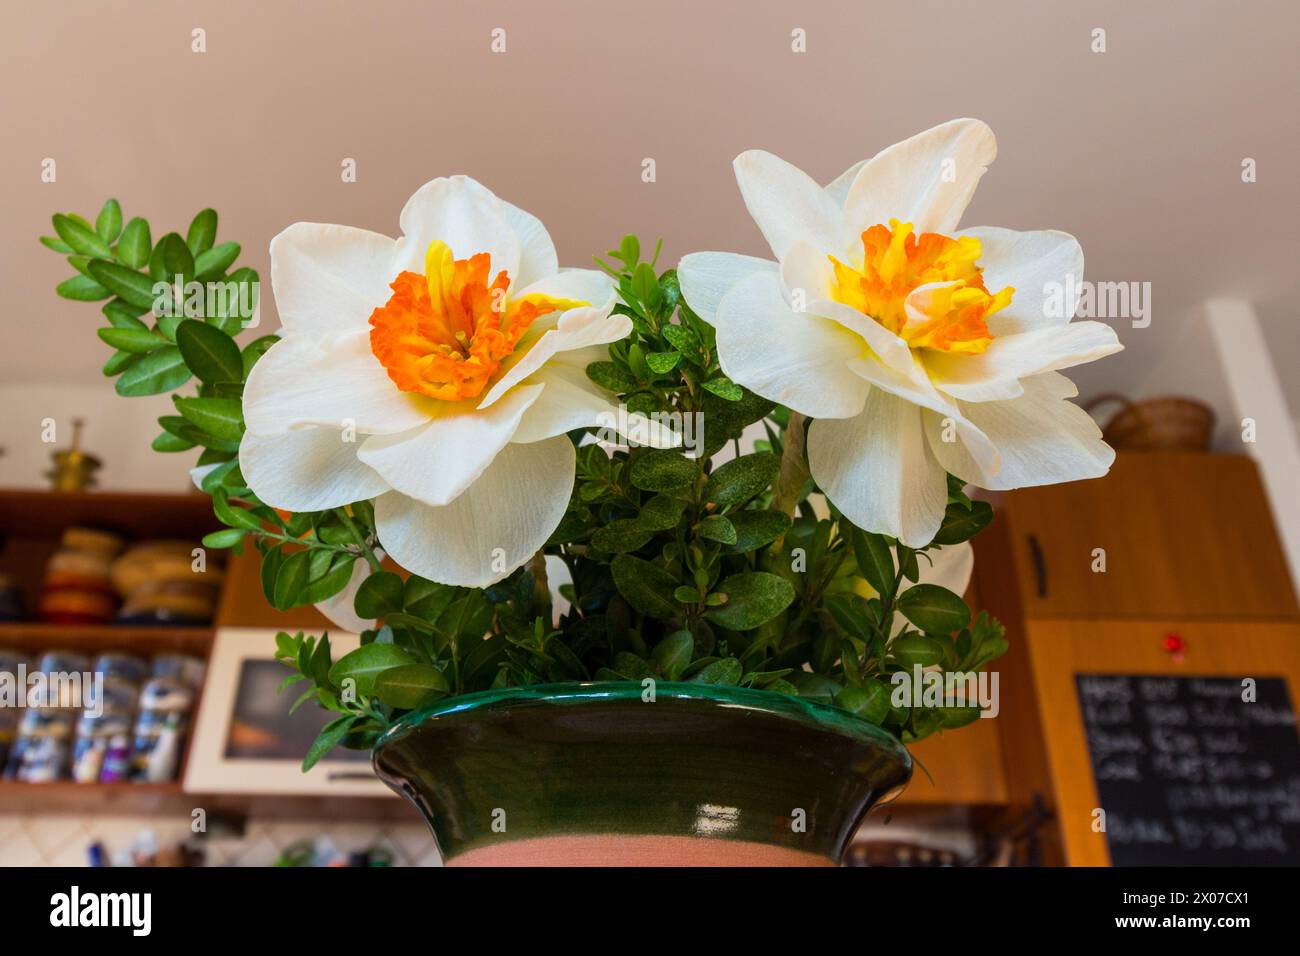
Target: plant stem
x,y
541,585
358,537
794,473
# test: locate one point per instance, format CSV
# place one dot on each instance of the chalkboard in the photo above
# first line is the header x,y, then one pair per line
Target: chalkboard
x,y
1190,773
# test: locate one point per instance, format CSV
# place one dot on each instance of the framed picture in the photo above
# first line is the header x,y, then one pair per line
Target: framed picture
x,y
245,739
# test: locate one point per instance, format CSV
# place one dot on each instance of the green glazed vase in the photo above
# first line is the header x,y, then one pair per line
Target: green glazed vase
x,y
612,774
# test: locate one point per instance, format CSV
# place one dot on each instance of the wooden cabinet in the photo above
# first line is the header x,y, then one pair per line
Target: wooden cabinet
x,y
1060,649
1177,535
1189,548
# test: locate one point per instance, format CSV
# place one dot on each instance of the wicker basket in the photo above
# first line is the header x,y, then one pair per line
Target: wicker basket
x,y
1169,423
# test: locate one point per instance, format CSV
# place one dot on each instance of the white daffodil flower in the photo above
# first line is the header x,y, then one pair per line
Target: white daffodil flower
x,y
916,348
437,374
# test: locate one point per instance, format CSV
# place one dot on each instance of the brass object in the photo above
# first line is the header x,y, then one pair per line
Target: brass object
x,y
74,469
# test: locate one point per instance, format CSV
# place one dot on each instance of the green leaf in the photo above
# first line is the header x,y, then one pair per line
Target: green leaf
x,y
870,701
175,257
135,288
331,583
211,354
717,528
82,289
409,686
617,537
875,557
214,262
202,232
118,362
366,663
225,538
684,340
81,238
167,442
724,388
661,513
330,737
135,245
741,478
233,515
161,371
122,316
109,222
661,363
757,529
290,579
663,470
220,417
753,597
961,524
726,671
613,377
934,609
380,594
132,340
912,649
645,586
673,653
58,245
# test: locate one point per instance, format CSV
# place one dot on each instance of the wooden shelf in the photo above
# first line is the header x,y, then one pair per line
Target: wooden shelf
x,y
36,636
171,800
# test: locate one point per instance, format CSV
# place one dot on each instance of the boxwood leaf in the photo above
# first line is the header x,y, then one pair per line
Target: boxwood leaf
x,y
934,609
409,686
202,232
741,478
109,222
645,586
135,288
753,597
159,371
135,245
673,653
366,663
663,470
211,354
220,417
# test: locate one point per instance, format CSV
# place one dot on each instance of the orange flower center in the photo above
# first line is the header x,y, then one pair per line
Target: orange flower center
x,y
896,262
446,333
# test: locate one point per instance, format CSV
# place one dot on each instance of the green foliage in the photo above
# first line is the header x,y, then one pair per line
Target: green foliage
x,y
681,569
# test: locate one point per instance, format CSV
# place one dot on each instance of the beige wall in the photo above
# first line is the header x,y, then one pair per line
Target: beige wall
x,y
1137,150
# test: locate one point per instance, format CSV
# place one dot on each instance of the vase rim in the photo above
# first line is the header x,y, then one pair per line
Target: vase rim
x,y
822,716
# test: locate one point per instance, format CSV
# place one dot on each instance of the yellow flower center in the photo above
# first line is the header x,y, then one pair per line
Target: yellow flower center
x,y
896,262
446,334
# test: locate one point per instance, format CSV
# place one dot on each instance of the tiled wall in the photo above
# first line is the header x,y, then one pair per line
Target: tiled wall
x,y
63,839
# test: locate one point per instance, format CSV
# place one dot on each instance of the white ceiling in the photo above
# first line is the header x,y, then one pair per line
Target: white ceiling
x,y
1137,150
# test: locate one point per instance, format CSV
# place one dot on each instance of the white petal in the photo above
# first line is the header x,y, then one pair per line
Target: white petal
x,y
994,375
890,348
333,383
466,216
310,469
915,387
788,205
706,277
329,279
583,285
575,331
806,272
537,258
340,608
1042,439
878,470
437,461
797,359
838,188
571,400
910,181
1045,267
494,527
